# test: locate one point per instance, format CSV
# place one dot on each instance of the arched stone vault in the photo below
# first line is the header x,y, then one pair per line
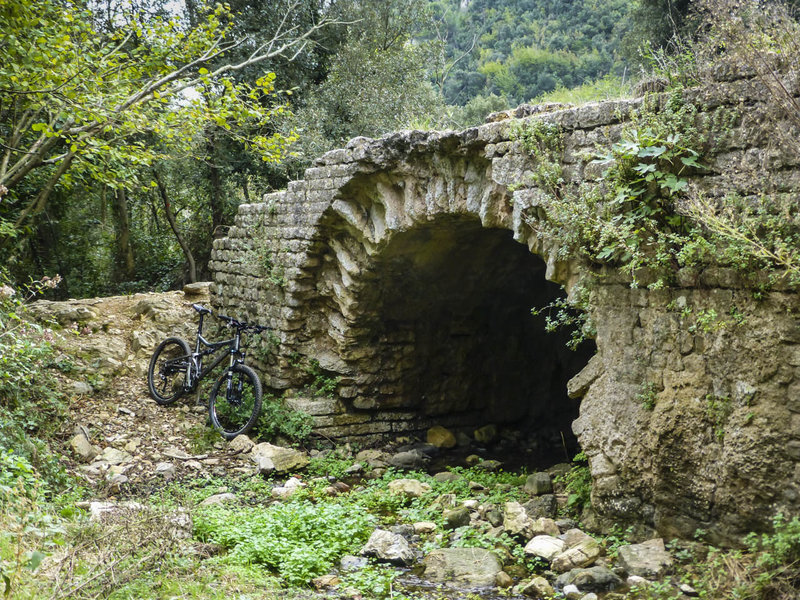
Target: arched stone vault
x,y
423,304
398,276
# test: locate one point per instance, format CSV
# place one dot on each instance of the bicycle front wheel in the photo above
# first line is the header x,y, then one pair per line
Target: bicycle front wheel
x,y
166,374
235,401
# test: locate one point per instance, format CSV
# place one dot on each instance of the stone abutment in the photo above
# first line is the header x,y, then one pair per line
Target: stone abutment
x,y
399,277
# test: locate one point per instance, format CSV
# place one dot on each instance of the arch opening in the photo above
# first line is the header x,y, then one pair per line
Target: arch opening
x,y
453,340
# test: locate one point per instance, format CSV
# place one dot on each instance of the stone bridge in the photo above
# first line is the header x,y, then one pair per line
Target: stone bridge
x,y
399,277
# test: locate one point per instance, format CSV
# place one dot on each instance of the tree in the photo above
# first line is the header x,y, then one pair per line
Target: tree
x,y
378,79
78,102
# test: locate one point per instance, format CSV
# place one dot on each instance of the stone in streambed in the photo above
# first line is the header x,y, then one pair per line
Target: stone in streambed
x,y
470,566
441,437
390,547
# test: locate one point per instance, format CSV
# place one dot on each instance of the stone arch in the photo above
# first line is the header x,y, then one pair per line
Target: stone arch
x,y
421,304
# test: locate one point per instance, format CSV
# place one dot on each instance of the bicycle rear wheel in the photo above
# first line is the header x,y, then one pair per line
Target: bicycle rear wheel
x,y
166,374
234,407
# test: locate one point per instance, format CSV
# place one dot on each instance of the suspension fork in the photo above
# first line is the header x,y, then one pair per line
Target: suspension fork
x,y
235,353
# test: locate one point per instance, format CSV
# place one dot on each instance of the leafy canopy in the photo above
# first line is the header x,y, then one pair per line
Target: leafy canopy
x,y
82,101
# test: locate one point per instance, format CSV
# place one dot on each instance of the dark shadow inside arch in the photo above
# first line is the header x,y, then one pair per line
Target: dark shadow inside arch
x,y
457,339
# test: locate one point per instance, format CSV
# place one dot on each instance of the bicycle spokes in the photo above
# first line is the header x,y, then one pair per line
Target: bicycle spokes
x,y
236,403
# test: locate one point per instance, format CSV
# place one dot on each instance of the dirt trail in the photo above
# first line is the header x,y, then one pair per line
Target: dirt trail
x,y
103,346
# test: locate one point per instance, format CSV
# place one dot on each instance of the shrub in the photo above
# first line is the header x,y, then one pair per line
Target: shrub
x,y
31,406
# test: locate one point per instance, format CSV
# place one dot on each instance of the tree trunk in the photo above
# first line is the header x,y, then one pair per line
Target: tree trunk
x,y
125,259
215,184
162,190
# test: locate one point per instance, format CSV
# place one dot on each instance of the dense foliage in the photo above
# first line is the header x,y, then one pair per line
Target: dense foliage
x,y
520,50
131,132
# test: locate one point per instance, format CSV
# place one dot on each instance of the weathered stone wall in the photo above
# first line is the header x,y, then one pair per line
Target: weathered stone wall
x,y
406,266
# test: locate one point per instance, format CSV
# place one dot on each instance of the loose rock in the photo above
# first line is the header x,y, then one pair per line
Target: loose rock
x,y
471,566
285,460
241,443
441,437
457,517
503,580
516,521
219,499
539,483
485,434
82,448
538,587
594,579
409,459
387,546
409,487
582,555
545,546
648,559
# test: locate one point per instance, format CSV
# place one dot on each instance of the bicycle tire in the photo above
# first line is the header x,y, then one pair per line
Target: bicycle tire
x,y
165,376
234,411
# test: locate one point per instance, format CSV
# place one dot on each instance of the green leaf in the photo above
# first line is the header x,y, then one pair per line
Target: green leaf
x,y
35,560
652,151
690,161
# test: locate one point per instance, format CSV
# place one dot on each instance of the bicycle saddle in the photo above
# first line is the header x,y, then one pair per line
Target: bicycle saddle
x,y
201,309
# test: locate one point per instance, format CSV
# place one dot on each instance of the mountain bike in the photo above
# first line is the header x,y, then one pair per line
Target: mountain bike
x,y
235,400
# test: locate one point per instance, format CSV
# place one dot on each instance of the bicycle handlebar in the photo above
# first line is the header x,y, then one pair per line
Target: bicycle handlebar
x,y
241,325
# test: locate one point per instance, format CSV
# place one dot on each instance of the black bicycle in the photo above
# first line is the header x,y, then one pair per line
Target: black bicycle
x,y
235,400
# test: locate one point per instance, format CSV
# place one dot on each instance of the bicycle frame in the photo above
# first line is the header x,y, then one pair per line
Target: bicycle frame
x,y
196,373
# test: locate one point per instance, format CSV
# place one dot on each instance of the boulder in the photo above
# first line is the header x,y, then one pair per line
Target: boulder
x,y
489,465
516,521
538,588
353,563
241,443
542,506
545,546
470,566
264,465
539,483
199,288
114,457
571,592
219,499
373,458
409,487
648,559
166,470
441,437
503,580
82,448
485,434
447,476
409,459
390,547
424,527
582,555
543,527
573,537
594,579
457,517
324,582
284,460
